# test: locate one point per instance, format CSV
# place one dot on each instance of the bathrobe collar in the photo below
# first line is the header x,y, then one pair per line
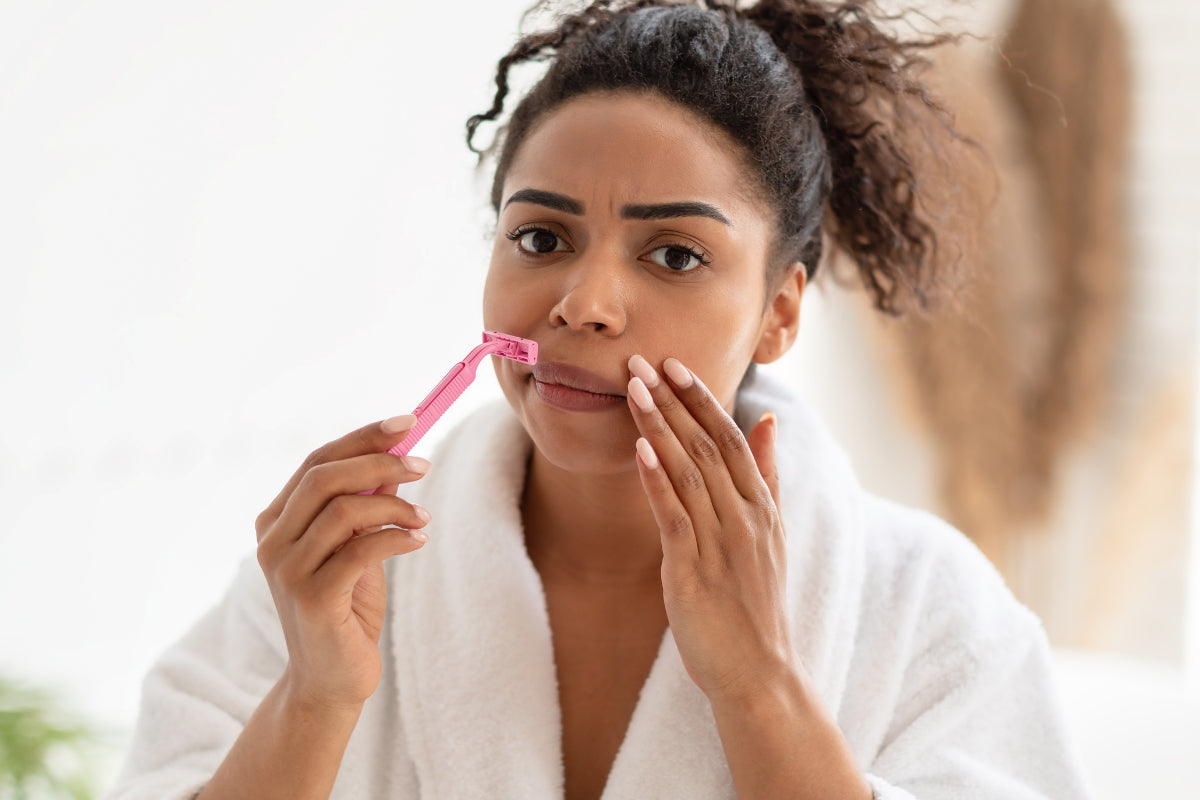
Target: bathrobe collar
x,y
474,662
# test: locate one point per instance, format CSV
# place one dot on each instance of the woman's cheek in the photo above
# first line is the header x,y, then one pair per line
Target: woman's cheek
x,y
721,371
517,302
497,302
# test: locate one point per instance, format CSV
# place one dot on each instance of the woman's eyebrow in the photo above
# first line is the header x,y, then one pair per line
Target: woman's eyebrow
x,y
669,210
569,205
558,202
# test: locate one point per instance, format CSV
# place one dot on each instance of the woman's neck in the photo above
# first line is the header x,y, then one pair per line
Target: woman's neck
x,y
593,528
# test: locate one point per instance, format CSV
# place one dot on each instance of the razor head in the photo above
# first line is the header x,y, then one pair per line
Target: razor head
x,y
514,347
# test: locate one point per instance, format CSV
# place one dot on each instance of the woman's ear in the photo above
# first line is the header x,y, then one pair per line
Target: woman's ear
x,y
781,320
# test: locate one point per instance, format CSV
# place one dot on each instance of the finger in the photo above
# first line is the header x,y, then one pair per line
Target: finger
x,y
711,416
350,476
339,522
705,448
674,524
762,445
339,574
377,437
687,478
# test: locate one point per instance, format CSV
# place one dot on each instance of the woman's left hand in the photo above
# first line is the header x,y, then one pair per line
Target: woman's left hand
x,y
715,496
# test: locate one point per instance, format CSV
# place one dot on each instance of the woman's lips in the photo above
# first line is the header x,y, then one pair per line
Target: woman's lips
x,y
575,389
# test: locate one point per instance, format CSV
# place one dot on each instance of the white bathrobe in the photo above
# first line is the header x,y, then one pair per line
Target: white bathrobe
x,y
938,678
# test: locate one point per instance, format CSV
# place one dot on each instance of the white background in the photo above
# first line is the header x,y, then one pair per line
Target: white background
x,y
231,231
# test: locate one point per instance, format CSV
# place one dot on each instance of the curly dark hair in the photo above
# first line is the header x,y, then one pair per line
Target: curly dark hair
x,y
831,110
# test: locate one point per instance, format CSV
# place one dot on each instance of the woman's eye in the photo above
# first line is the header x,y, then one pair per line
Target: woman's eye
x,y
540,241
676,258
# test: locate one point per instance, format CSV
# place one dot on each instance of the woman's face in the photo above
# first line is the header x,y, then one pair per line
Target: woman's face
x,y
627,226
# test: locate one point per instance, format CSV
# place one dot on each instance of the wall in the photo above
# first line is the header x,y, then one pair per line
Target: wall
x,y
1109,569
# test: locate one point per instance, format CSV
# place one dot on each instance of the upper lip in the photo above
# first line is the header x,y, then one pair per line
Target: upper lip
x,y
575,378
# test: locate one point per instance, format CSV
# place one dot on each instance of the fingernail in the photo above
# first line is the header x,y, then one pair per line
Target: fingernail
x,y
642,369
773,423
646,454
416,464
397,424
678,373
641,395
418,536
422,514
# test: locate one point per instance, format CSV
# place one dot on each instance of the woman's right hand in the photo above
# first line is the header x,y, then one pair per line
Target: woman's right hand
x,y
322,544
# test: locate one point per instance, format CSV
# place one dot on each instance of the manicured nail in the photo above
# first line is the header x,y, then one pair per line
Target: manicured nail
x,y
422,514
642,369
416,464
418,536
678,373
646,454
772,422
641,395
397,424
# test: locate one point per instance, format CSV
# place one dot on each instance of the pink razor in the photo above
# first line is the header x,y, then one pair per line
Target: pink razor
x,y
459,378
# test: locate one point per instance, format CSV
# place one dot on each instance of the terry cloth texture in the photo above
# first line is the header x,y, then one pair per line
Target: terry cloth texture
x,y
938,677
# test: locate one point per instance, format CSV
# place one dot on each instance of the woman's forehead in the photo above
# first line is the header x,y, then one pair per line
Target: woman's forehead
x,y
633,148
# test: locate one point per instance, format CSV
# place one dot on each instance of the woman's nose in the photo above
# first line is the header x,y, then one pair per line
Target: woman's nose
x,y
593,297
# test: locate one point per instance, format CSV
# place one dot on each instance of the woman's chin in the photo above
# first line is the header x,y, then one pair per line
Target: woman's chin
x,y
584,452
597,438
583,443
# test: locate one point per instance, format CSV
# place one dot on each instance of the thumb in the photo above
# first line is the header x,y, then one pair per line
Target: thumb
x,y
762,447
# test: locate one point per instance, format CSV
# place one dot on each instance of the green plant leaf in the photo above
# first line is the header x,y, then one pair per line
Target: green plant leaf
x,y
45,751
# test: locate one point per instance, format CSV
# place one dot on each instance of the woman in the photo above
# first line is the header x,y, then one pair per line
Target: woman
x,y
624,594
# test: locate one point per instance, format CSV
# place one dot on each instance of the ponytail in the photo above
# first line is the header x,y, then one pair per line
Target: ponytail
x,y
883,129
